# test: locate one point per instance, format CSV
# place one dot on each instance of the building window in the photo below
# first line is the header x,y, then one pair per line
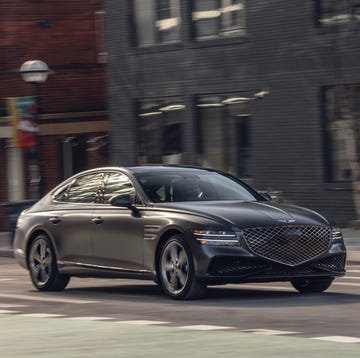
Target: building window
x,y
157,21
224,133
342,130
218,18
161,126
332,12
83,152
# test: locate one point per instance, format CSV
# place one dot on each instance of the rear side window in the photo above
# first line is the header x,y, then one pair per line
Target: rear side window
x,y
84,189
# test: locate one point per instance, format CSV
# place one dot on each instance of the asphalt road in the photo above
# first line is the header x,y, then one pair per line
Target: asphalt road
x,y
124,318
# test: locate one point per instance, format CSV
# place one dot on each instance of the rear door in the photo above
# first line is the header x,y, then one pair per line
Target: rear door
x,y
71,219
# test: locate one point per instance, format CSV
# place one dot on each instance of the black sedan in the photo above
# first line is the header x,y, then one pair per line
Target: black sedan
x,y
182,227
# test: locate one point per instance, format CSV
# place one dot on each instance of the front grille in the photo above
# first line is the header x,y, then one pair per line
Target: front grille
x,y
289,245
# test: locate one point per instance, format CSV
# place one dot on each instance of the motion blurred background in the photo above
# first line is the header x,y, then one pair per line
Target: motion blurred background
x,y
267,90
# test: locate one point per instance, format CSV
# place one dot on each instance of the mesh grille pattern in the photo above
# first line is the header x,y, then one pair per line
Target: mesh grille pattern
x,y
334,263
289,245
235,266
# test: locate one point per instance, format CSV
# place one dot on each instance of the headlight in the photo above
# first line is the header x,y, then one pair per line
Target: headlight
x,y
216,237
336,235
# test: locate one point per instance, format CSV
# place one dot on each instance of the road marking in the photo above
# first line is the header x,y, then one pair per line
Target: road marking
x,y
6,279
203,327
7,311
350,278
353,271
42,315
142,322
45,298
289,289
90,318
340,339
259,287
267,332
10,305
346,284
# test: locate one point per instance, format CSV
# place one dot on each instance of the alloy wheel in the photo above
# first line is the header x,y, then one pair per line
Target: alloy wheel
x,y
174,267
40,262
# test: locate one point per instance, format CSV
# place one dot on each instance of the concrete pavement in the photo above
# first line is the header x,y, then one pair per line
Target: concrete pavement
x,y
351,236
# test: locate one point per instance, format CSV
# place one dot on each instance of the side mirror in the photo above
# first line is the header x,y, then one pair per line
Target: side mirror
x,y
125,201
122,200
265,195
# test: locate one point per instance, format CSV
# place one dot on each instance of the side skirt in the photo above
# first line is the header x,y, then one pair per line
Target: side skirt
x,y
87,270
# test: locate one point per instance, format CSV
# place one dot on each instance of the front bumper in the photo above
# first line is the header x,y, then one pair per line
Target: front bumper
x,y
238,264
233,269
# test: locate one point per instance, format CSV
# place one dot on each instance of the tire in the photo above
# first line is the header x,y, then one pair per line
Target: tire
x,y
176,271
312,285
42,266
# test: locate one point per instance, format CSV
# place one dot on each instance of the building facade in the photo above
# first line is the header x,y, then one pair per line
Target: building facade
x,y
71,104
257,88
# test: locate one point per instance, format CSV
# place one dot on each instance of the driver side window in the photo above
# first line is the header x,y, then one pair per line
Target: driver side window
x,y
117,184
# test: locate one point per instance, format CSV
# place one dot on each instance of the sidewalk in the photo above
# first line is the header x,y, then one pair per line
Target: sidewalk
x,y
352,241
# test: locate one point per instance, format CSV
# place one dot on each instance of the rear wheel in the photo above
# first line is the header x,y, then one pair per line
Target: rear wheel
x,y
312,285
176,271
42,266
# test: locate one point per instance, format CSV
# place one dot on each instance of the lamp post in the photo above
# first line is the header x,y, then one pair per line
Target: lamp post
x,y
34,72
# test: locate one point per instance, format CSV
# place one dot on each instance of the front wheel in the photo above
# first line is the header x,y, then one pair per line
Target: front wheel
x,y
176,271
312,285
42,266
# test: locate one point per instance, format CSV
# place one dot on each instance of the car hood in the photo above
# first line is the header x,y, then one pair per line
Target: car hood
x,y
252,214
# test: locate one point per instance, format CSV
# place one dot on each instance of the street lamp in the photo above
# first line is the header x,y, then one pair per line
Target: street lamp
x,y
34,72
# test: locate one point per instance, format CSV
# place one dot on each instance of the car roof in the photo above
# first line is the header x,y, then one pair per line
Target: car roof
x,y
164,168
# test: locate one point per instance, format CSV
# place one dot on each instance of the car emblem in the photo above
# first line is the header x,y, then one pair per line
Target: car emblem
x,y
287,221
291,234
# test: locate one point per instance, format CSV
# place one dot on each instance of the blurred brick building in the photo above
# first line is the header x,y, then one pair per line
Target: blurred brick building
x,y
69,37
189,71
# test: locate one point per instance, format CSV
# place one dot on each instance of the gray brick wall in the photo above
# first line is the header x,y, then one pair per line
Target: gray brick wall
x,y
283,51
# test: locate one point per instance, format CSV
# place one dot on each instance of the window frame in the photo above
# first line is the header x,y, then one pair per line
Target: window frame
x,y
220,33
328,156
157,34
158,109
337,20
227,145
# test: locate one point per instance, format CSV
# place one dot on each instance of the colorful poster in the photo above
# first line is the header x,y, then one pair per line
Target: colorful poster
x,y
23,116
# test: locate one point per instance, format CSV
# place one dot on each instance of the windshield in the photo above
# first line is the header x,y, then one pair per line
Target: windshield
x,y
206,186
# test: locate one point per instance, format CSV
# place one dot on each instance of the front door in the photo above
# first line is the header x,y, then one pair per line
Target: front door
x,y
117,236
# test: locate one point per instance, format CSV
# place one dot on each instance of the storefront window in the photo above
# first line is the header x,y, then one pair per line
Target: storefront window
x,y
161,126
224,133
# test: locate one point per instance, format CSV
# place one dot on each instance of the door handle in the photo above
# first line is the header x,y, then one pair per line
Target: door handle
x,y
54,220
97,220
